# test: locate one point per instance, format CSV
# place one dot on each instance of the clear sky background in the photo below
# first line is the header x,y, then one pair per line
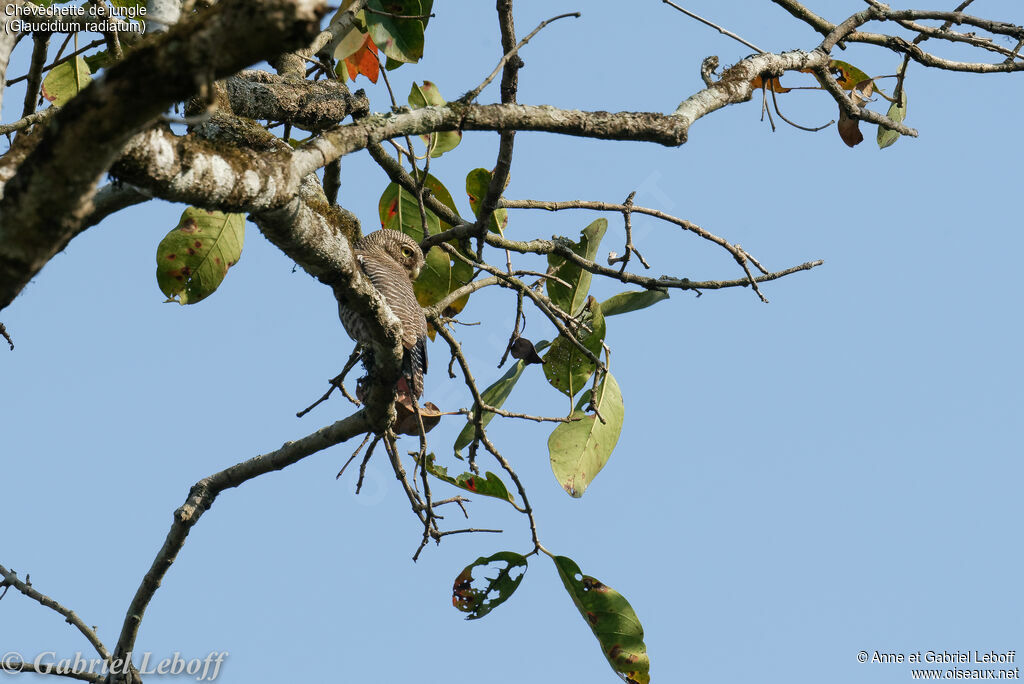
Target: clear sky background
x,y
836,471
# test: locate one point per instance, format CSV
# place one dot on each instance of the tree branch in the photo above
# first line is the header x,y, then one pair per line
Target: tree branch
x,y
84,138
10,578
202,496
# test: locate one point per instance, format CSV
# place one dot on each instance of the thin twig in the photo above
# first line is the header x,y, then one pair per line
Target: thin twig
x,y
11,579
29,120
60,60
714,26
337,382
472,94
6,336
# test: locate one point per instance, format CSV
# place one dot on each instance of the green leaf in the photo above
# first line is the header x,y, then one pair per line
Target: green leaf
x,y
571,299
128,3
426,8
98,60
428,95
192,259
848,76
477,183
495,396
897,112
399,209
566,368
489,485
66,80
580,449
624,302
400,39
478,602
612,620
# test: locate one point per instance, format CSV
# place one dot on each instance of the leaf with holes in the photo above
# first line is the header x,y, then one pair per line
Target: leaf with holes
x,y
897,112
510,569
624,302
612,620
66,80
488,485
427,95
571,296
847,76
477,182
566,367
579,449
192,259
400,38
495,396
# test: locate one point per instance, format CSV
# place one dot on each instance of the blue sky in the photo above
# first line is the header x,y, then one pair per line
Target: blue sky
x,y
836,471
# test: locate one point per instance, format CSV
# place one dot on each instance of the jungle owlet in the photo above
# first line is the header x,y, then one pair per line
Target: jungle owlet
x,y
392,260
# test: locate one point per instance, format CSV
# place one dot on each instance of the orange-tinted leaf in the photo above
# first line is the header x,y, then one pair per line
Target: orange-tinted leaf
x,y
364,61
772,83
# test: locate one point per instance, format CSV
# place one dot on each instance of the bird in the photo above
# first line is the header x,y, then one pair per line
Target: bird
x,y
392,261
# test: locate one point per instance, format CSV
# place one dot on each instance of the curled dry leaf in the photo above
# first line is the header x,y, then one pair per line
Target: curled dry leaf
x,y
406,423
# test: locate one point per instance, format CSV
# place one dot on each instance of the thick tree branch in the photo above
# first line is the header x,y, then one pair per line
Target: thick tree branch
x,y
80,142
310,105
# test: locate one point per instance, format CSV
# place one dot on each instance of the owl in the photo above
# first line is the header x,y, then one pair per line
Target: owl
x,y
392,260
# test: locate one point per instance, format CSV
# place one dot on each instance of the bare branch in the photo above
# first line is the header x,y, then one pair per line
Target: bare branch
x,y
202,496
10,578
714,26
509,54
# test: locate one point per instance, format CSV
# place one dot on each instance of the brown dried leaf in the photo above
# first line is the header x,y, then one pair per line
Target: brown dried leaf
x,y
849,130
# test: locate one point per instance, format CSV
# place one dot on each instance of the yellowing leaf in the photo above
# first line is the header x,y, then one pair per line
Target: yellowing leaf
x,y
192,259
847,76
578,450
66,80
427,95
